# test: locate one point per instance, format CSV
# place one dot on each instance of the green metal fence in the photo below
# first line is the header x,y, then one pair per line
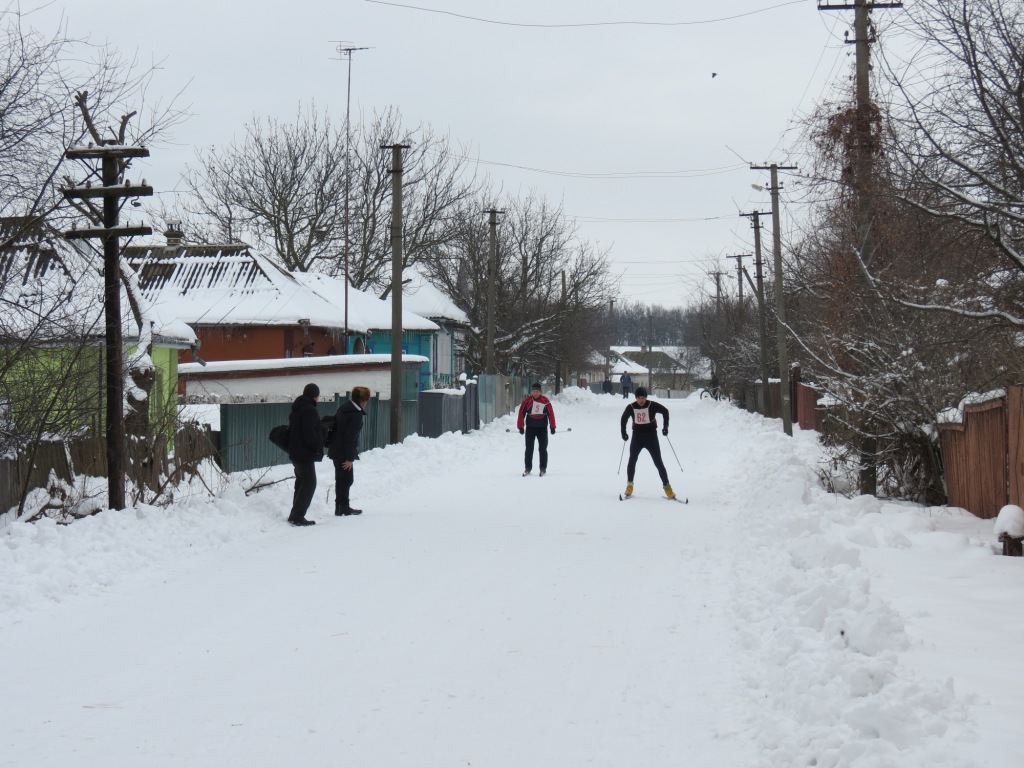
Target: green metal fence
x,y
244,428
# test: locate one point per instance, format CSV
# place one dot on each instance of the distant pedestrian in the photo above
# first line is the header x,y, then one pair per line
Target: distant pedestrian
x,y
644,414
344,448
627,384
305,448
307,351
606,386
536,414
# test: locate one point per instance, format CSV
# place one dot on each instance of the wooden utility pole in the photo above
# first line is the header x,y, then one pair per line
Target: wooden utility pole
x,y
492,262
396,291
113,158
780,294
762,310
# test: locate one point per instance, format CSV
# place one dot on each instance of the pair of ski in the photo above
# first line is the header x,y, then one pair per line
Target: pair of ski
x,y
623,497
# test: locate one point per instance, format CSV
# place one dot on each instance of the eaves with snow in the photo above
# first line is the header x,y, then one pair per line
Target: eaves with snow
x,y
224,285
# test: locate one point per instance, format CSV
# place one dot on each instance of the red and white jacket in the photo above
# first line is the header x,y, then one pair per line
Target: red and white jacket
x,y
536,413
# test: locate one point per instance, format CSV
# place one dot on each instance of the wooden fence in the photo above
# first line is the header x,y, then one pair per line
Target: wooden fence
x,y
148,462
983,455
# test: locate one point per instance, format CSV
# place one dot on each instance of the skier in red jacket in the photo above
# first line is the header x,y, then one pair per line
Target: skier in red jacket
x,y
535,415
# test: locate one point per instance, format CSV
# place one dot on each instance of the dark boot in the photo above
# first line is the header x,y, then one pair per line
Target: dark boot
x,y
300,521
350,511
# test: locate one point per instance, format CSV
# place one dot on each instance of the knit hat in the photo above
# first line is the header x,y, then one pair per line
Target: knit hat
x,y
311,390
641,392
535,386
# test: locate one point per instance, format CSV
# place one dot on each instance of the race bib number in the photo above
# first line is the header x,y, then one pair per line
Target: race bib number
x,y
642,415
537,410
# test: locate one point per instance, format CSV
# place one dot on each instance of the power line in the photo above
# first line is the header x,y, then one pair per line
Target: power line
x,y
586,24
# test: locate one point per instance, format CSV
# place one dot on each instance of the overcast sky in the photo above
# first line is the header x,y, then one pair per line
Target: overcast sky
x,y
641,119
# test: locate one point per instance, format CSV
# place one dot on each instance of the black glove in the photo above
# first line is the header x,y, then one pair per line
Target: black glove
x,y
552,430
665,431
625,436
522,431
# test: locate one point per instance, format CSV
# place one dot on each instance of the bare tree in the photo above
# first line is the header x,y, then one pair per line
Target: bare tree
x,y
960,147
281,189
551,292
437,185
39,74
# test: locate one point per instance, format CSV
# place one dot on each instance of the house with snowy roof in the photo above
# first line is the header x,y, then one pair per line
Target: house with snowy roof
x,y
244,307
240,304
447,354
52,328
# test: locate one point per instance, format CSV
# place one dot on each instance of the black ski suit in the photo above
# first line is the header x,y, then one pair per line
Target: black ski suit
x,y
645,435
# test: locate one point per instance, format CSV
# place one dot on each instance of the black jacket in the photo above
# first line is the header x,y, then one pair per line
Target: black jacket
x,y
648,427
305,438
348,422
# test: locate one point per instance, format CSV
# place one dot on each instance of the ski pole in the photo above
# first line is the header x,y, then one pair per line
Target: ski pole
x,y
620,457
674,452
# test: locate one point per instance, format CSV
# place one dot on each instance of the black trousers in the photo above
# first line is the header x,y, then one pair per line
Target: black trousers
x,y
343,480
540,436
305,487
645,439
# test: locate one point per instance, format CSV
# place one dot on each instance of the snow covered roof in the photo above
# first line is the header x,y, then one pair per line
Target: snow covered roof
x,y
364,308
53,289
424,299
230,285
293,363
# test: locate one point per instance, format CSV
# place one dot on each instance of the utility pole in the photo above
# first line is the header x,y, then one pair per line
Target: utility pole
x,y
739,277
492,261
396,290
866,145
113,157
347,52
718,291
780,294
866,128
762,310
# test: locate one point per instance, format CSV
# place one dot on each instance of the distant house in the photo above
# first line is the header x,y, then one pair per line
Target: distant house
x,y
52,328
449,343
622,363
667,367
240,304
418,333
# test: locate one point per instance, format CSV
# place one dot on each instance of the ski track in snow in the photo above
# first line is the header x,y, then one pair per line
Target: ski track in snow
x,y
476,617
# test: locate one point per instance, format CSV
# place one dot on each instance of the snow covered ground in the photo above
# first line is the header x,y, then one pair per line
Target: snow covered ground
x,y
473,617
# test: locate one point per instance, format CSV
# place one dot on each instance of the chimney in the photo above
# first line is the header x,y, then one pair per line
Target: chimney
x,y
175,237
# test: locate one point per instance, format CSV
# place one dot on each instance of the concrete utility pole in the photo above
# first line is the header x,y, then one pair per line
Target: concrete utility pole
x,y
113,157
396,291
762,310
718,291
863,163
780,294
492,262
866,145
347,52
739,278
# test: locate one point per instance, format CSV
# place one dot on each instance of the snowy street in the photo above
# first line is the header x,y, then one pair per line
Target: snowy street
x,y
474,617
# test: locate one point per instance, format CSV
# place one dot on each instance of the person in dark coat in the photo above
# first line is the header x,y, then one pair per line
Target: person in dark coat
x,y
606,386
305,449
344,448
644,414
535,415
627,385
